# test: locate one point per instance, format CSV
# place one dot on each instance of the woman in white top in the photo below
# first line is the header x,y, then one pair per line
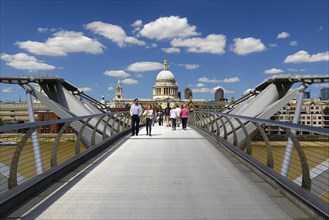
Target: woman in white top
x,y
173,117
148,112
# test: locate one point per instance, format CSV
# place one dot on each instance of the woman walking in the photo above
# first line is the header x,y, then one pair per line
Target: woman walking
x,y
173,117
148,112
184,116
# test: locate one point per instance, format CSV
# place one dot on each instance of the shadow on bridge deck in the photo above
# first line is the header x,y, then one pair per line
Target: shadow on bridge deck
x,y
171,175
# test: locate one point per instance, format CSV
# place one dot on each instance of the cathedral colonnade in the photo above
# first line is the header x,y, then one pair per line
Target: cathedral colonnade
x,y
165,91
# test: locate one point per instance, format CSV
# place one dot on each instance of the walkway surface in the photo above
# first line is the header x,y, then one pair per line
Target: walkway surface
x,y
171,175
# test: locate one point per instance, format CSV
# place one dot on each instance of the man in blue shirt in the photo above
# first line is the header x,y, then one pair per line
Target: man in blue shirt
x,y
135,113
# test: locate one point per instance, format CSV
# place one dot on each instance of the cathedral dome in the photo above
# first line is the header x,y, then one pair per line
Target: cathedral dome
x,y
165,75
165,86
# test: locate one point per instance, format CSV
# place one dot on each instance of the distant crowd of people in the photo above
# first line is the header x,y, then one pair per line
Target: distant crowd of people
x,y
174,117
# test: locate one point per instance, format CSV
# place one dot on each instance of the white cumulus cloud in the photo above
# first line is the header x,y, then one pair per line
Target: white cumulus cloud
x,y
42,30
231,80
137,26
62,43
282,35
213,43
22,61
247,45
113,32
144,66
227,80
168,28
206,80
171,50
190,66
304,57
129,81
117,73
273,71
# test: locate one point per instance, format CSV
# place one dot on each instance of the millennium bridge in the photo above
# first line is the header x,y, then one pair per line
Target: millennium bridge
x,y
226,165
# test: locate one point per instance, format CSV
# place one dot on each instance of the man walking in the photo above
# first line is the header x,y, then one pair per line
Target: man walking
x,y
135,113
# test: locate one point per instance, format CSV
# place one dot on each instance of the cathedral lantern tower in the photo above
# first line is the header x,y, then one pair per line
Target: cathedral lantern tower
x,y
165,86
118,92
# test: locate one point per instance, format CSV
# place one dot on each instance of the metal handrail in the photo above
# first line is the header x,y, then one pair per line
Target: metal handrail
x,y
239,133
59,151
13,156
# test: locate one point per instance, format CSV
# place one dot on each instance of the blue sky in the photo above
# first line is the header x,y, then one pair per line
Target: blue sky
x,y
92,44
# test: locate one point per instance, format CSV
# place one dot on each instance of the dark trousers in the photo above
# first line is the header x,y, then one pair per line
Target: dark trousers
x,y
149,122
135,124
184,122
160,121
173,123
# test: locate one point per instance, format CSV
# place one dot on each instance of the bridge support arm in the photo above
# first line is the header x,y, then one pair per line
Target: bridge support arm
x,y
289,148
34,136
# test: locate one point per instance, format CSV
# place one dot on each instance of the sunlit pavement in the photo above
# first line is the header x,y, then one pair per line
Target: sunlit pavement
x,y
169,175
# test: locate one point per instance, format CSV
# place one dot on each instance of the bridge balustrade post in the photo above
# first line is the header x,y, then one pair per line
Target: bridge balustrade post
x,y
53,158
106,126
95,130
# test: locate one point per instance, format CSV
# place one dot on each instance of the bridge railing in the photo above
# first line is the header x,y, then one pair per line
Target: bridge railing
x,y
29,157
295,158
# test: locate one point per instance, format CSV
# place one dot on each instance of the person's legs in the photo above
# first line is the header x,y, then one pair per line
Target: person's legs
x,y
147,126
178,121
173,123
137,125
150,126
133,121
184,121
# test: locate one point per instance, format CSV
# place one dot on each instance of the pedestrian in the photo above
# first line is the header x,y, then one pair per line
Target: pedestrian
x,y
178,115
148,112
135,113
173,117
160,115
184,116
155,112
167,115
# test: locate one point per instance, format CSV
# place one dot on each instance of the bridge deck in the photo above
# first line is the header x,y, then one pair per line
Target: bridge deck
x,y
171,175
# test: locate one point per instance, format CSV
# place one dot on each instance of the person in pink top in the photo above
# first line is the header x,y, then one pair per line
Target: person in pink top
x,y
184,116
